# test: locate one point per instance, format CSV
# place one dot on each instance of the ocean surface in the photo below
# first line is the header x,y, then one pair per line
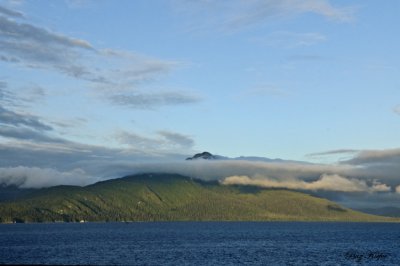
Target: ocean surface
x,y
201,243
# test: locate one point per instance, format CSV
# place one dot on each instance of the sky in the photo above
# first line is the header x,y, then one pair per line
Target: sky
x,y
97,89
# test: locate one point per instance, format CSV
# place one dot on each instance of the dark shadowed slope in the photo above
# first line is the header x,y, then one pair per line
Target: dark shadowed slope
x,y
385,211
166,197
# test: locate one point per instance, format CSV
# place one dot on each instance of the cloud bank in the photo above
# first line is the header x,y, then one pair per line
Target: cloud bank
x,y
48,164
325,182
313,177
34,177
104,163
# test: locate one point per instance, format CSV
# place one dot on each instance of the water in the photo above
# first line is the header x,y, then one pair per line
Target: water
x,y
201,243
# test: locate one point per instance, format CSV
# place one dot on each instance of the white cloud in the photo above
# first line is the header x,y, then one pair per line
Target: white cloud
x,y
34,177
379,187
330,182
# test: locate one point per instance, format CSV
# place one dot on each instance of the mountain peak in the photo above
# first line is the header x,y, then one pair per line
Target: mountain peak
x,y
204,155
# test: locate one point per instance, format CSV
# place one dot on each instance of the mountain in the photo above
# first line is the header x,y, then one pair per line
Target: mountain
x,y
205,155
168,197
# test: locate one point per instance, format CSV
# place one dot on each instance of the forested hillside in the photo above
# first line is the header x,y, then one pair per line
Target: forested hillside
x,y
166,197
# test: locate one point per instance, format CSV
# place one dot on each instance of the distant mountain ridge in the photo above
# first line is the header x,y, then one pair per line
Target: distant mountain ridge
x,y
209,156
172,197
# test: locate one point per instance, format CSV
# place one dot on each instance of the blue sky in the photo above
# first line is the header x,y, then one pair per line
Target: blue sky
x,y
265,78
310,80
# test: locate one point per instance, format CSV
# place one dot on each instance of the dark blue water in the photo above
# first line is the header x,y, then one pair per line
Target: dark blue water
x,y
192,243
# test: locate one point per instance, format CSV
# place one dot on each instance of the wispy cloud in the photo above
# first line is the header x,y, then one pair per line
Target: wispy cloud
x,y
25,134
27,127
36,47
6,96
260,10
19,119
137,141
11,13
21,97
160,142
127,68
237,14
15,31
178,139
115,74
153,100
333,152
290,40
33,93
69,123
